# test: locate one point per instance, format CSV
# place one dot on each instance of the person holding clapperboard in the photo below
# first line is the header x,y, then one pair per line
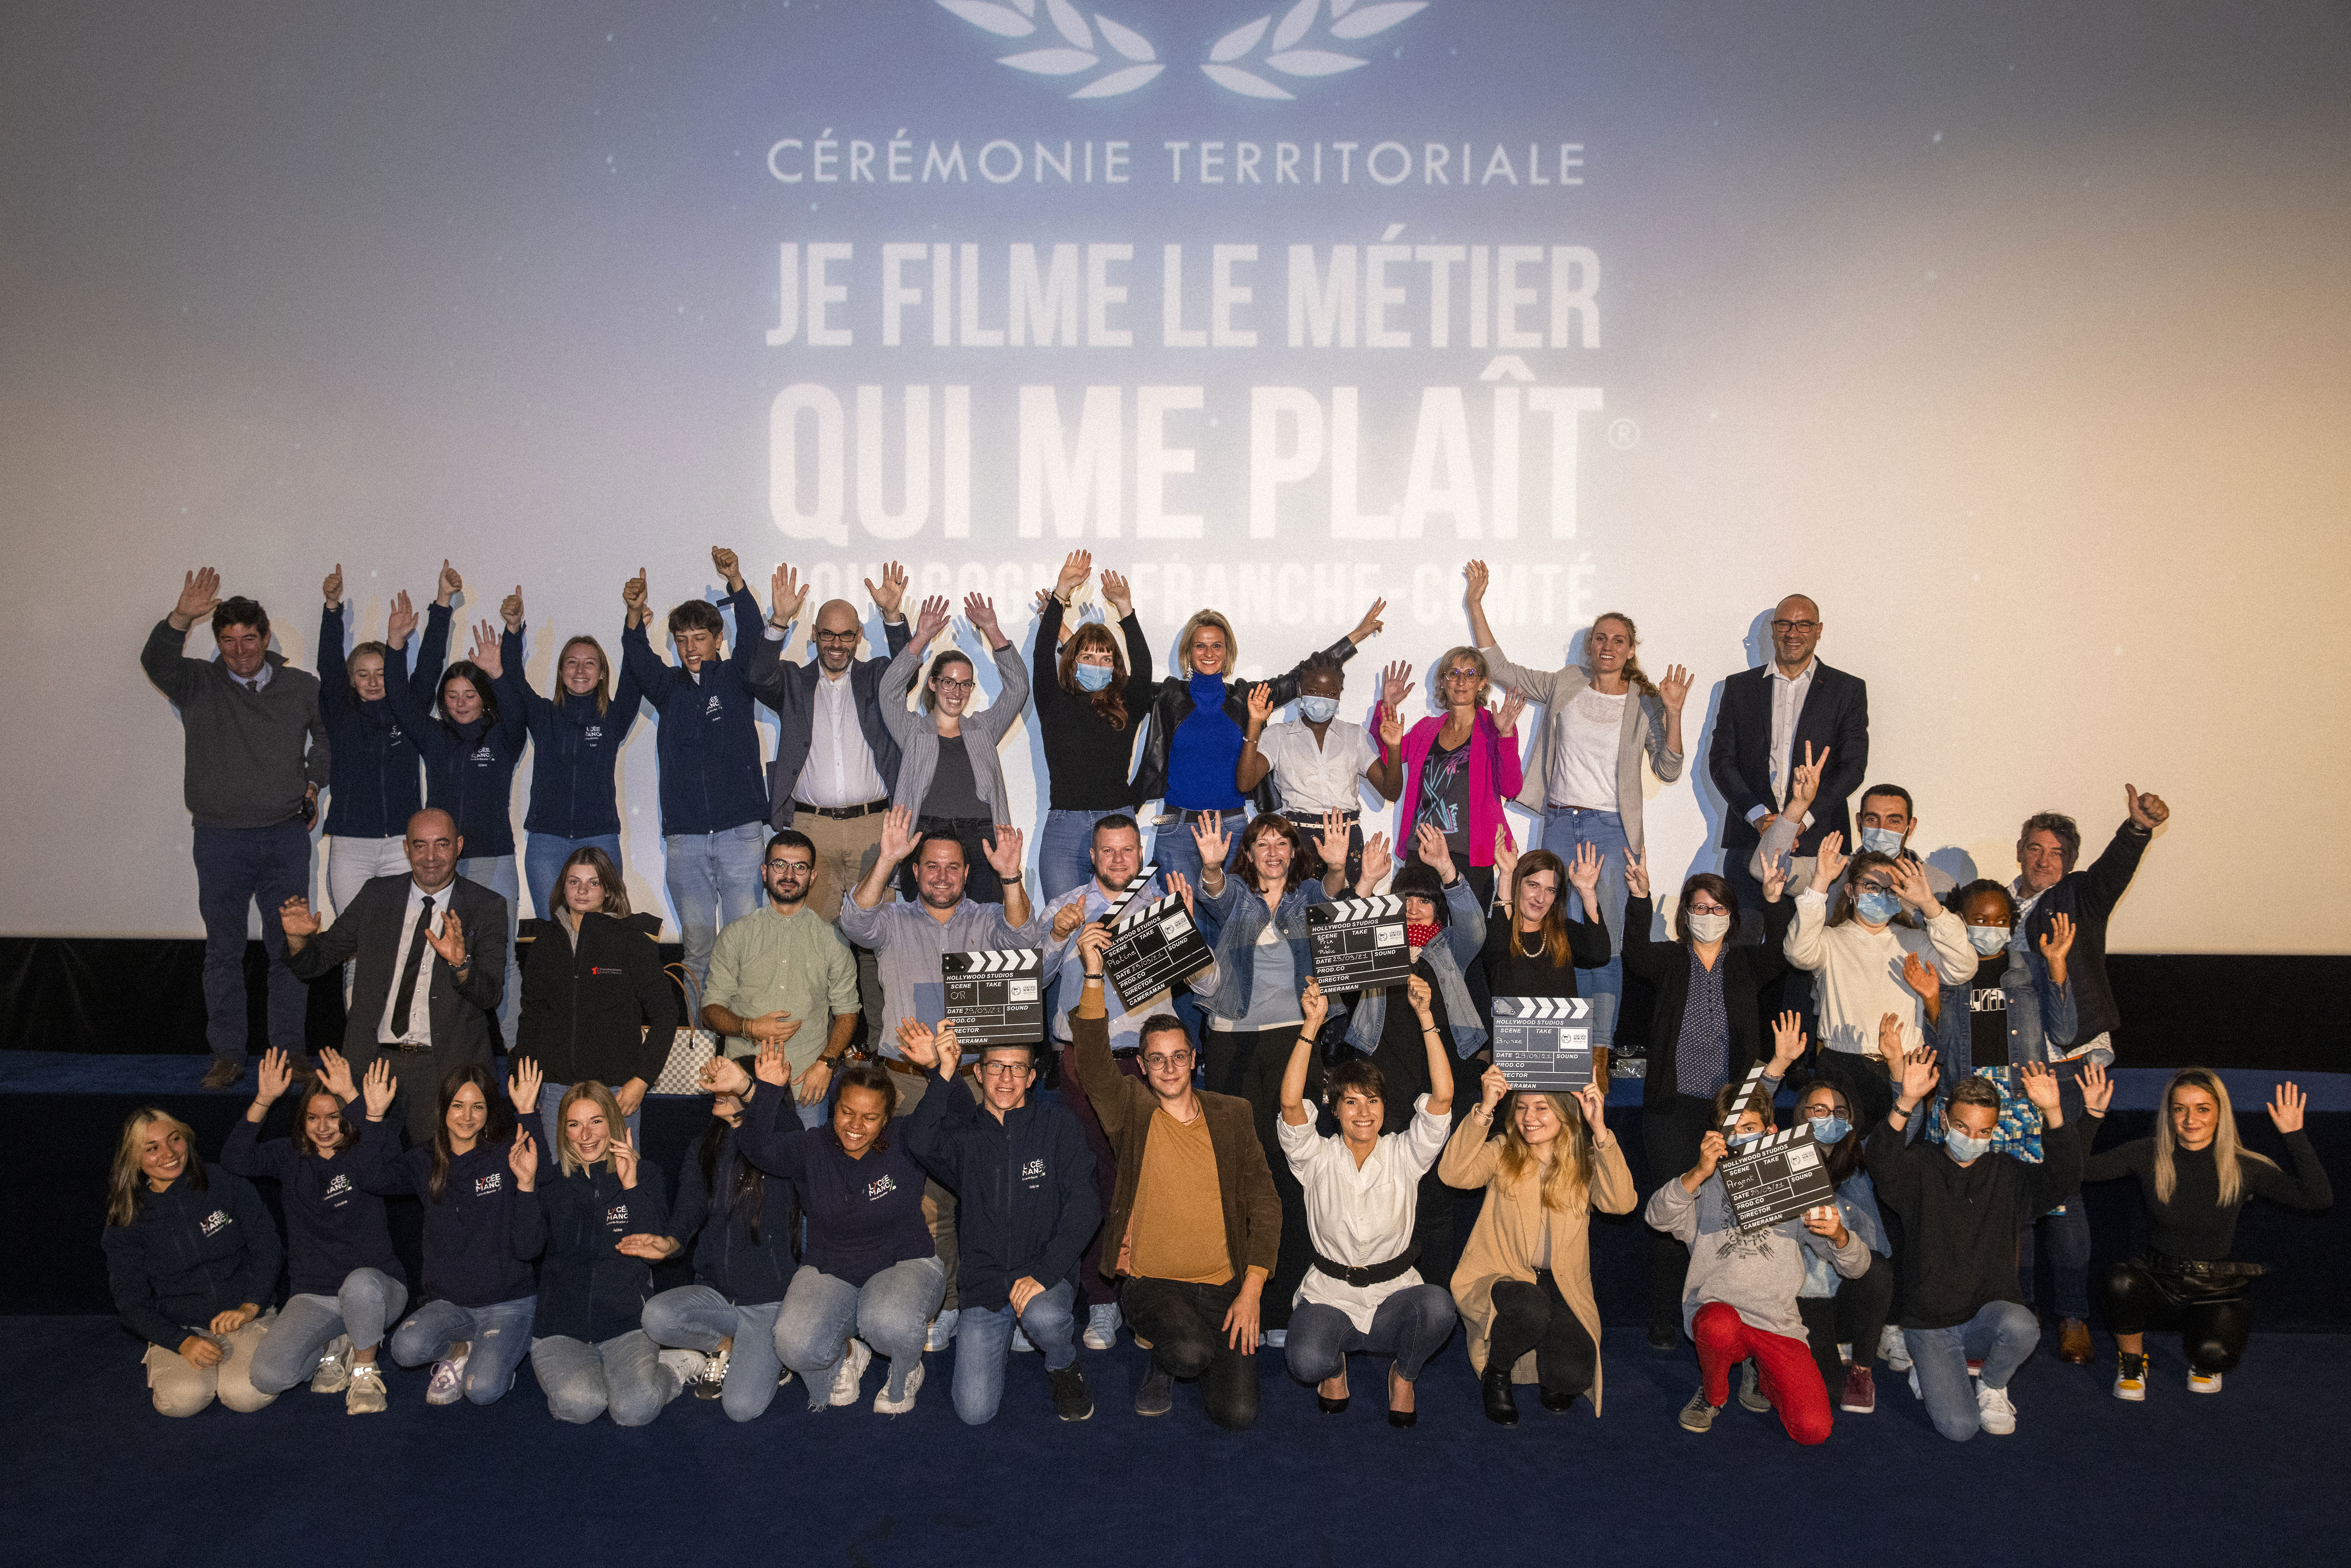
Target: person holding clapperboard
x,y
1739,1297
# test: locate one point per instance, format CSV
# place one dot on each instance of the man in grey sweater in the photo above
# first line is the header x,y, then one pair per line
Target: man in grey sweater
x,y
256,754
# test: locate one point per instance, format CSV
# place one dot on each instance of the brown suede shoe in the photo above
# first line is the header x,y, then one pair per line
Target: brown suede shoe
x,y
2074,1343
225,1072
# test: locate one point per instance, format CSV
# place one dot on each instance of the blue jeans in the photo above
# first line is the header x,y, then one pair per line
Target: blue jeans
x,y
1410,1325
695,1317
2068,1234
497,872
1565,828
1176,850
550,1101
2001,1335
237,867
307,1325
499,1337
1065,852
984,1342
892,1311
622,1375
714,881
543,855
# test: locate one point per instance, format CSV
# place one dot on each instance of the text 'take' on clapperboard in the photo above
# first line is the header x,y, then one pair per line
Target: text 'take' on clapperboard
x,y
1543,1042
1358,942
995,996
1153,945
1776,1179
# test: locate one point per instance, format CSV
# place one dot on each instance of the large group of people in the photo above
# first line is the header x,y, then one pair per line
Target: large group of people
x,y
1240,1161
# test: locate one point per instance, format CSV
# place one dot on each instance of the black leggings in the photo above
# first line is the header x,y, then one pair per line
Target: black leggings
x,y
1854,1315
2214,1322
1536,1317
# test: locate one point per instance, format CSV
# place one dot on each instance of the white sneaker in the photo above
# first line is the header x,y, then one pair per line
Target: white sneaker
x,y
885,1406
2203,1382
1893,1351
448,1384
333,1374
685,1365
1102,1326
1020,1340
365,1395
1999,1416
851,1372
943,1329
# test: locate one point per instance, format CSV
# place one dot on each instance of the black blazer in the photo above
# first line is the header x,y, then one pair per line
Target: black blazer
x,y
791,690
1835,715
1745,972
601,1007
369,931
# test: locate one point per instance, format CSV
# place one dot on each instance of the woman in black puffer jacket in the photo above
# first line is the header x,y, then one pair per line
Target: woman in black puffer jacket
x,y
595,1003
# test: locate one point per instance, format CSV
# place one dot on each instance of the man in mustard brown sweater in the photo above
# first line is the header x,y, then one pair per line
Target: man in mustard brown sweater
x,y
1195,1224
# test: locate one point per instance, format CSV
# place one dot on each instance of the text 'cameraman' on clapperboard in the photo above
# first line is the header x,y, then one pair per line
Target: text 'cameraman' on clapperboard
x,y
1543,1042
1776,1179
1153,945
995,996
1358,942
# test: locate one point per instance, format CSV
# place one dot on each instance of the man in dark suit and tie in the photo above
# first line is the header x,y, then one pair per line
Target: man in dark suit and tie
x,y
1769,714
432,951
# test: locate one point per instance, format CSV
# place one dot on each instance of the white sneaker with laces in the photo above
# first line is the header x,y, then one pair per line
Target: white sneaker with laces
x,y
333,1374
1893,1350
943,1329
1992,1405
1102,1326
885,1406
851,1372
2203,1382
448,1384
365,1395
685,1365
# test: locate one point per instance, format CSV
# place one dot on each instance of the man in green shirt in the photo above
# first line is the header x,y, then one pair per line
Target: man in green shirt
x,y
781,969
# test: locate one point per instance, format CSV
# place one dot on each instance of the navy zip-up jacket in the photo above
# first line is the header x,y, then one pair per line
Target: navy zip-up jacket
x,y
588,1289
372,787
864,1214
711,778
468,768
191,1254
726,1256
575,750
468,1235
333,1225
1026,1202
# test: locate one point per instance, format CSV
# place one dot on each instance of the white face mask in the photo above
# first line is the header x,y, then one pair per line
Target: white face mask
x,y
1711,927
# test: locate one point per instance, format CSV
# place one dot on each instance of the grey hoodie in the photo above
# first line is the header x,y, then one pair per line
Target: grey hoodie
x,y
1756,1276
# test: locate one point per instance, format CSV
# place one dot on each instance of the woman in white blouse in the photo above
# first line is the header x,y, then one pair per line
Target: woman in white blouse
x,y
1363,1295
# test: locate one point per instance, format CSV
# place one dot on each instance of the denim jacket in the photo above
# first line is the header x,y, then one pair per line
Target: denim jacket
x,y
2041,1017
1857,1204
1449,956
1241,917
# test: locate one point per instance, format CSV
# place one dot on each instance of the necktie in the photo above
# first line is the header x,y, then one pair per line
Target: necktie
x,y
408,971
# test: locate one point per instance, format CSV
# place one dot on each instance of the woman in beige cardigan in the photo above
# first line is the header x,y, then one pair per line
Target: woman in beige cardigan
x,y
1524,1281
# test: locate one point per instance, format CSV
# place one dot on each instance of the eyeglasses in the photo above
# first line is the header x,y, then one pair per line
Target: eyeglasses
x,y
946,686
803,867
1697,908
1463,675
1877,887
839,636
1159,1060
1795,625
1007,1070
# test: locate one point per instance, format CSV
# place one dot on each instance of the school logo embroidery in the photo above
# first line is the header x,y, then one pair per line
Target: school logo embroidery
x,y
338,1188
489,1185
712,708
396,739
1033,1171
482,755
618,1215
595,733
216,1221
881,1187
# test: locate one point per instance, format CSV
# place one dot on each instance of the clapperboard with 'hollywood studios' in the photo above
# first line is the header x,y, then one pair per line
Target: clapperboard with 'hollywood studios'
x,y
1776,1179
1153,945
1358,942
1543,1042
995,996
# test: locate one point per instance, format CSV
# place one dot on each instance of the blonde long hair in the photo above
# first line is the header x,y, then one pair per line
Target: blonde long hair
x,y
1184,642
2227,1152
1632,671
126,1188
615,1125
1569,1175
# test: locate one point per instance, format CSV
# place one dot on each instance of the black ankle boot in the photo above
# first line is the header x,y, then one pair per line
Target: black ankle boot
x,y
1500,1408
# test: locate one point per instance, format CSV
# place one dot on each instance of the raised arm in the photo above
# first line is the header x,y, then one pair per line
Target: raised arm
x,y
1313,1006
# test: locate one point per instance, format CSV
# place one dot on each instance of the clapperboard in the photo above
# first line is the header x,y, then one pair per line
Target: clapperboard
x,y
1358,942
1775,1180
995,996
1543,1042
1153,945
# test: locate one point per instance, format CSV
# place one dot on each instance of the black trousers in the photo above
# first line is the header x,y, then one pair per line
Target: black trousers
x,y
1670,1135
1184,1324
1248,1063
1854,1315
1536,1317
2213,1321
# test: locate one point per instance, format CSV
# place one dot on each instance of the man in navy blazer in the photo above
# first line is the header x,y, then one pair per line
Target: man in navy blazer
x,y
1769,714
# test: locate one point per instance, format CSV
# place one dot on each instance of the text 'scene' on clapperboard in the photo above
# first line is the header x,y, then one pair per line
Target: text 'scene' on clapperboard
x,y
995,996
1776,1179
1358,942
1543,1042
1153,945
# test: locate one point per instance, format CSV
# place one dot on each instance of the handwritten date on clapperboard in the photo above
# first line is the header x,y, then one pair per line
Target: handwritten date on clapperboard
x,y
1358,942
1776,1179
1154,946
1543,1042
995,996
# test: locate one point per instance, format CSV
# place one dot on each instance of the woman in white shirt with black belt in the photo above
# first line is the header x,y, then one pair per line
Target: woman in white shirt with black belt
x,y
1584,777
1363,1190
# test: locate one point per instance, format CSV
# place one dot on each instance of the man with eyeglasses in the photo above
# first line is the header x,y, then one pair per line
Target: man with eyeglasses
x,y
1768,715
780,969
1195,1224
1024,1179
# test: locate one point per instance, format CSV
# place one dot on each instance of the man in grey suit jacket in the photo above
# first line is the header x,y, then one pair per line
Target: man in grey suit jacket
x,y
432,951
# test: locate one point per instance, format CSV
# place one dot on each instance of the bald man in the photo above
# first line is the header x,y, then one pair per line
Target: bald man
x,y
1769,714
432,952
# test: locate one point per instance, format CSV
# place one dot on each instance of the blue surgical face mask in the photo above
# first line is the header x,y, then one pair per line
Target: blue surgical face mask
x,y
1830,1129
1988,939
1964,1147
1093,677
1878,908
1881,841
1318,710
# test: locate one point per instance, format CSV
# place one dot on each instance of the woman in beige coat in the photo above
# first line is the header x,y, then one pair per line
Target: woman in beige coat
x,y
1524,1281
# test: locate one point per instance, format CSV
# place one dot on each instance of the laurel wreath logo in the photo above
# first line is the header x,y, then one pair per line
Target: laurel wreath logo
x,y
1089,44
